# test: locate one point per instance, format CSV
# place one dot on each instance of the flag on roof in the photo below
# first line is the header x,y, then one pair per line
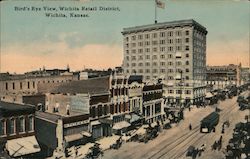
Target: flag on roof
x,y
160,4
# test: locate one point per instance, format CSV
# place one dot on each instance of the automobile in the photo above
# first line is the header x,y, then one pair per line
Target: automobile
x,y
190,151
167,126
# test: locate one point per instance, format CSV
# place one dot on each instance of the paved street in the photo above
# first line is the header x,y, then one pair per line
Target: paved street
x,y
174,142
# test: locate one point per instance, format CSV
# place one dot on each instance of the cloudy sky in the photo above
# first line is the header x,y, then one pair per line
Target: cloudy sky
x,y
30,40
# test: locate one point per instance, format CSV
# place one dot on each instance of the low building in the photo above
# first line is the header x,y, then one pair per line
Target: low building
x,y
222,76
17,130
14,86
153,109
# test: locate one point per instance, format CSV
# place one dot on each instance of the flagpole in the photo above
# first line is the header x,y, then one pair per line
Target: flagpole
x,y
155,12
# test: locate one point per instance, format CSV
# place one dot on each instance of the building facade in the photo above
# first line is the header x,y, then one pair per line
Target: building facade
x,y
17,130
172,51
219,77
13,87
153,108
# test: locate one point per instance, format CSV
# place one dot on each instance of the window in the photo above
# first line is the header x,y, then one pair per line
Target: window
x,y
147,50
170,70
21,124
178,41
140,57
127,57
162,49
162,63
127,39
154,63
134,37
140,64
178,63
162,34
187,40
2,128
170,48
187,70
170,33
147,56
178,91
140,50
30,123
127,45
6,86
187,55
147,36
147,43
170,63
187,77
21,85
170,77
155,35
133,58
13,85
35,85
154,70
187,32
155,49
147,64
133,64
187,48
133,44
12,126
170,91
154,42
28,85
162,70
140,43
162,56
147,70
140,71
178,33
170,56
178,48
154,56
162,41
133,51
187,62
187,92
140,37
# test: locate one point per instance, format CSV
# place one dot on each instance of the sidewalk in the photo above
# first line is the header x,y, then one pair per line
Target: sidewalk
x,y
106,142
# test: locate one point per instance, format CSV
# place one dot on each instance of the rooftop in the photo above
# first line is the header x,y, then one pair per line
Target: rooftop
x,y
13,108
91,86
178,23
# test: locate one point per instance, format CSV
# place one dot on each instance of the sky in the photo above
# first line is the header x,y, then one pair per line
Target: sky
x,y
30,40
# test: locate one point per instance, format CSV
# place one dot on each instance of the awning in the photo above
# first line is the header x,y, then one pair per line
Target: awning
x,y
73,137
85,133
22,146
121,125
209,95
170,84
95,122
134,118
178,77
153,124
178,54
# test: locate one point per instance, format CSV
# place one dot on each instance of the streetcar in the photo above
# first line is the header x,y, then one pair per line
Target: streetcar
x,y
209,122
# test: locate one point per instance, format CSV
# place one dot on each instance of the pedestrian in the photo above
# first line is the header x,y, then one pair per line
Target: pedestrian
x,y
76,151
190,126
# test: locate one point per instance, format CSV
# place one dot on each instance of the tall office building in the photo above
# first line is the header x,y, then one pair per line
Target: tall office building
x,y
172,51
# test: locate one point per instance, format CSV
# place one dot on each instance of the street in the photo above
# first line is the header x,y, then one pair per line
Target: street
x,y
173,143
